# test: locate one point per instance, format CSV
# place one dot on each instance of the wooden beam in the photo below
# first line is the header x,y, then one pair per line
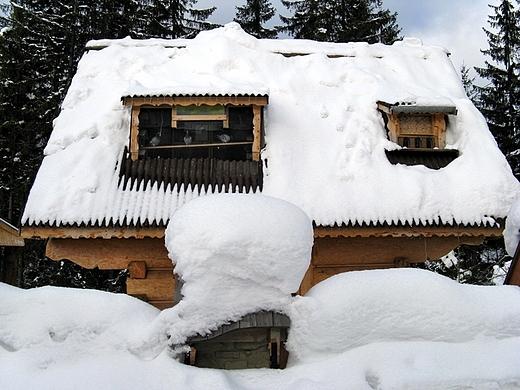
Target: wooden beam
x,y
92,232
323,273
9,239
111,254
9,235
218,144
393,128
346,251
137,269
161,304
157,286
319,231
176,118
257,132
439,129
409,231
307,281
134,134
156,101
334,255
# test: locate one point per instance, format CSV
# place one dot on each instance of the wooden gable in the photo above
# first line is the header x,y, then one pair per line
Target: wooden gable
x,y
9,235
416,126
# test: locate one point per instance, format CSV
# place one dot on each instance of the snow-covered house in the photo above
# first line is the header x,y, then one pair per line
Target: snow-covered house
x,y
379,145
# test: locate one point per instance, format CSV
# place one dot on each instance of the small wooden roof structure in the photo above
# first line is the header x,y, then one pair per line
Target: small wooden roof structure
x,y
9,235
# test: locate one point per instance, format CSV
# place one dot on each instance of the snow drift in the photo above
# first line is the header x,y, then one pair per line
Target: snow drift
x,y
418,330
236,254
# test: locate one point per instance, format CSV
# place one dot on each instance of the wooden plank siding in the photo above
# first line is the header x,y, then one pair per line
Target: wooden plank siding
x,y
9,235
220,175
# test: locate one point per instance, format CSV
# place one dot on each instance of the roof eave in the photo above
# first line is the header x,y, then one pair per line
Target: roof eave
x,y
377,230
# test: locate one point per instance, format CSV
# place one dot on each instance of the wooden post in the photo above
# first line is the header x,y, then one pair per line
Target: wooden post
x,y
393,127
439,129
257,132
134,133
307,281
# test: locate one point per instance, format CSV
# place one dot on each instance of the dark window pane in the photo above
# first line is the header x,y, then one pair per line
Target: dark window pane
x,y
155,126
196,139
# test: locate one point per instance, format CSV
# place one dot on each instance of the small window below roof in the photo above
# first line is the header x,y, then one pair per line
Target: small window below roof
x,y
207,127
420,131
416,127
224,133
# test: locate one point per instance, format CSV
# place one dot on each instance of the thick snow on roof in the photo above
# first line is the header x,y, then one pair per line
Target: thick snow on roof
x,y
325,140
389,329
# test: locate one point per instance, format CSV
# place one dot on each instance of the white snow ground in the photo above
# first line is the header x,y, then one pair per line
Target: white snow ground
x,y
418,331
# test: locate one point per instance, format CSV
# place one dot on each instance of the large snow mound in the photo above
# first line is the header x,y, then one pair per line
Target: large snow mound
x,y
360,308
236,254
51,325
390,329
325,140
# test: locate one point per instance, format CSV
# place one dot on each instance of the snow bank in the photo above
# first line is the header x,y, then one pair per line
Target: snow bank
x,y
390,329
236,254
325,140
360,308
50,325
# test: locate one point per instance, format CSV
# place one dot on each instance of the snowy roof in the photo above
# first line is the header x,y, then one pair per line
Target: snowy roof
x,y
325,139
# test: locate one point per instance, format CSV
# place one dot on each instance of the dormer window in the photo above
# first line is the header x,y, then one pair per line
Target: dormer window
x,y
207,127
421,132
416,126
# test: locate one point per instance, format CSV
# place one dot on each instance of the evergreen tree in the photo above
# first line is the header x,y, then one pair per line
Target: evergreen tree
x,y
175,18
499,100
468,83
484,264
340,21
29,100
40,45
253,15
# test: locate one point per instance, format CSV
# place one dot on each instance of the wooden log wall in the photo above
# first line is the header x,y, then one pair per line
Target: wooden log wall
x,y
332,256
150,270
243,176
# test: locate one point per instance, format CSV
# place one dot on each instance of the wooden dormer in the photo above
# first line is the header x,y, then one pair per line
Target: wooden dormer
x,y
202,141
416,126
420,130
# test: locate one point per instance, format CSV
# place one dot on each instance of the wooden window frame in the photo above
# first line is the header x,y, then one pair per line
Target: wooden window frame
x,y
436,113
137,102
